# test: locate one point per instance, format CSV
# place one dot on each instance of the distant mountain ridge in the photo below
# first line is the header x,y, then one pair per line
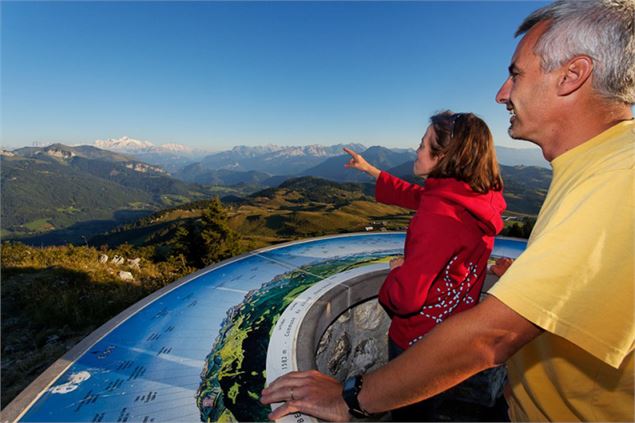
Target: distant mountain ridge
x,y
322,161
172,157
521,157
381,157
274,160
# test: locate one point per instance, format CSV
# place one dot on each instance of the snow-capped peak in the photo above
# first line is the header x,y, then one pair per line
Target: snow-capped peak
x,y
177,148
124,143
131,145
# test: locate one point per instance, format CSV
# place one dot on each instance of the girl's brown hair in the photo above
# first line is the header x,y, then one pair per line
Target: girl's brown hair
x,y
465,146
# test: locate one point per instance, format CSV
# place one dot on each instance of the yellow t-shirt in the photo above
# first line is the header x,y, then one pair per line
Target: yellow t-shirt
x,y
575,280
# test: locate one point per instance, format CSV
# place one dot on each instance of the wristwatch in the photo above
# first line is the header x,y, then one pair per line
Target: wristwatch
x,y
352,387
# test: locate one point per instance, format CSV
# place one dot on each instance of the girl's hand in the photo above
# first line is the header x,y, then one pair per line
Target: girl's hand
x,y
360,163
500,266
396,262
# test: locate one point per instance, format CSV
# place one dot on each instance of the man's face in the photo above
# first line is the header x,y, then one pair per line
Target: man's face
x,y
528,92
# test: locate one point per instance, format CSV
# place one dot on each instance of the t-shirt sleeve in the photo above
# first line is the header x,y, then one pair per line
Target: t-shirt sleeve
x,y
576,277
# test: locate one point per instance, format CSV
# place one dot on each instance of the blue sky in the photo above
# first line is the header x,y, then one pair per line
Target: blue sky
x,y
217,74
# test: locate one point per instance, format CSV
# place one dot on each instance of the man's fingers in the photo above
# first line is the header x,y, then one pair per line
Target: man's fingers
x,y
283,388
283,410
309,392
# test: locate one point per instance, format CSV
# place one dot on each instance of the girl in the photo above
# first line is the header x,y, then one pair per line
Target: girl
x,y
450,237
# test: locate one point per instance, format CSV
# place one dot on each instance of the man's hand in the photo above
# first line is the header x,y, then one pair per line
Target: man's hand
x,y
360,163
500,266
396,262
310,393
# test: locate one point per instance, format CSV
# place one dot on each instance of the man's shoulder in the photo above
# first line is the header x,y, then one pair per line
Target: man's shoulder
x,y
616,152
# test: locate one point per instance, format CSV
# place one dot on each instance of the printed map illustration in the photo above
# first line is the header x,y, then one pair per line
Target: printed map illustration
x,y
199,351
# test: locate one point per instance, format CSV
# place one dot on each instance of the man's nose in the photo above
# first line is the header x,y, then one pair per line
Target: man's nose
x,y
502,96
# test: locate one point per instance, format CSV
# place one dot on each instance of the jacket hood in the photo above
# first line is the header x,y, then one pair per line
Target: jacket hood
x,y
485,208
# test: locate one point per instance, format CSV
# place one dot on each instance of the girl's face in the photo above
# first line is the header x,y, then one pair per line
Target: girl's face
x,y
425,163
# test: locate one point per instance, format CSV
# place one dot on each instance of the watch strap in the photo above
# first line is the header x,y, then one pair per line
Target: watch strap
x,y
352,387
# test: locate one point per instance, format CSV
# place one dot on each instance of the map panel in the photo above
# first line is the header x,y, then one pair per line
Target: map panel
x,y
199,351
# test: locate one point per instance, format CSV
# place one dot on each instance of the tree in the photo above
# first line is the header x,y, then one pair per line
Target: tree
x,y
520,229
207,240
219,240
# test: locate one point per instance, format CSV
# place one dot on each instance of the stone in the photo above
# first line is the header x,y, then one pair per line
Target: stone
x,y
103,258
125,276
325,341
355,343
368,315
340,354
53,339
134,263
117,260
365,355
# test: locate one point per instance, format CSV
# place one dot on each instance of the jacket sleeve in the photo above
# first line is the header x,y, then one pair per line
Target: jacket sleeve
x,y
431,247
391,190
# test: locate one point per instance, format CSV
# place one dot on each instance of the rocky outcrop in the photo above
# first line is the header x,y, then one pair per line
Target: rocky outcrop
x,y
143,168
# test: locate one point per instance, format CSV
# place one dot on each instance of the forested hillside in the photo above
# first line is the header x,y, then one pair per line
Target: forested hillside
x,y
81,191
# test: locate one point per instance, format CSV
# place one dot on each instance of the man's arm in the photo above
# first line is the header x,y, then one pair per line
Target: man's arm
x,y
474,340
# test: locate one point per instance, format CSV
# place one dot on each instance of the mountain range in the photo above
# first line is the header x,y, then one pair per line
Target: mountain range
x,y
270,159
78,191
275,161
271,165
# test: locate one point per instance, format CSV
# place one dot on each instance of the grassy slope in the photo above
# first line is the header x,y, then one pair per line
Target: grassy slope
x,y
276,215
53,297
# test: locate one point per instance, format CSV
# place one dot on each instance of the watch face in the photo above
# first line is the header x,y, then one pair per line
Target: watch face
x,y
350,383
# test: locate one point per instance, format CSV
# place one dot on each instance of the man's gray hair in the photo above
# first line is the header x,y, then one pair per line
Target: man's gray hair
x,y
601,29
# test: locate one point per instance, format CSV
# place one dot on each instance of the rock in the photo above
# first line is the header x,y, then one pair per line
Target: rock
x,y
134,263
324,342
368,315
125,276
117,260
53,339
340,354
365,355
355,343
103,258
344,317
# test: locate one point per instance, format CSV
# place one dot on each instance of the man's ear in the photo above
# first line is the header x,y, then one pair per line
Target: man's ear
x,y
574,74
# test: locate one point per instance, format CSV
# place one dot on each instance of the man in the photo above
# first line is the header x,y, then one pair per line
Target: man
x,y
562,315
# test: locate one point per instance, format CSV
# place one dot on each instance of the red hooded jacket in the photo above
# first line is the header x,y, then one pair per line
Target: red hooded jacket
x,y
448,243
